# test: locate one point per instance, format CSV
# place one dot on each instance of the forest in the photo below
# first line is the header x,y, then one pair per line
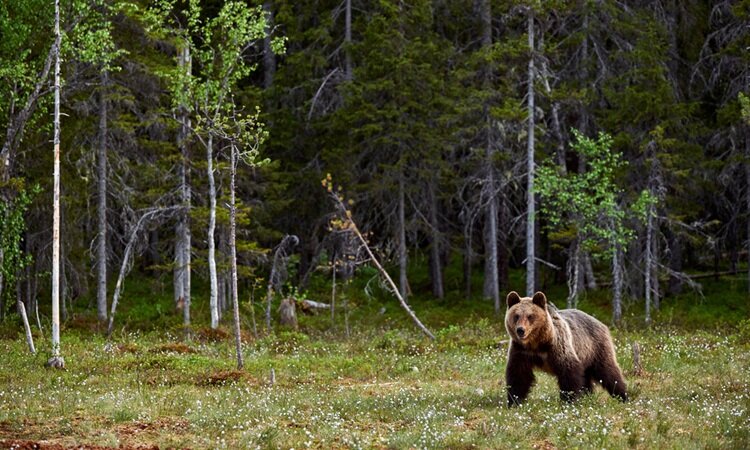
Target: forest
x,y
288,224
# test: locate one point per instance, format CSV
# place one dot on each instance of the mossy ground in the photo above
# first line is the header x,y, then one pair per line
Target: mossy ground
x,y
385,386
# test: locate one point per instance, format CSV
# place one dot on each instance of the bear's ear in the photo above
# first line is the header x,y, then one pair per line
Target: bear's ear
x,y
513,298
540,300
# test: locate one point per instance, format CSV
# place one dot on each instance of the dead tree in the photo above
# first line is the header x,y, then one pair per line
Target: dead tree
x,y
288,313
278,271
149,215
345,221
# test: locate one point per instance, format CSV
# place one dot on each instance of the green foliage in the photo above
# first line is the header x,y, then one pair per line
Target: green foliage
x,y
12,228
591,201
745,105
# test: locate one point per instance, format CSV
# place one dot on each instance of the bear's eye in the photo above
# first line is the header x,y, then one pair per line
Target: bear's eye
x,y
531,318
515,318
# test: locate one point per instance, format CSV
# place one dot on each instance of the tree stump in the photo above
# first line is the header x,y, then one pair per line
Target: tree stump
x,y
288,313
637,368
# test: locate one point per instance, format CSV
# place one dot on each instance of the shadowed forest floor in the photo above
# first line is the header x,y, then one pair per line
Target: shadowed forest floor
x,y
384,387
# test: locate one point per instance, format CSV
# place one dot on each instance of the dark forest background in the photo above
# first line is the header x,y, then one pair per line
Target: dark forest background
x,y
422,113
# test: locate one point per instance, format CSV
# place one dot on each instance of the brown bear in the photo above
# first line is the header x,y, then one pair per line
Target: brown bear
x,y
569,344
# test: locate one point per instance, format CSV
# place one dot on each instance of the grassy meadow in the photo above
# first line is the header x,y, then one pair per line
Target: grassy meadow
x,y
384,386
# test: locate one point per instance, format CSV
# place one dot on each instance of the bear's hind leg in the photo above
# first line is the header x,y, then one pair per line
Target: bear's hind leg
x,y
572,382
610,377
588,382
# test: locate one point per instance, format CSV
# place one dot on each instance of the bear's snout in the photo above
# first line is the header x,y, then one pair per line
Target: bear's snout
x,y
520,331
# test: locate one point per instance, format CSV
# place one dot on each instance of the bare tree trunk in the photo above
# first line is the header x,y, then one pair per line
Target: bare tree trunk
x,y
24,318
649,262
589,272
503,252
436,265
178,283
675,263
333,291
616,285
183,243
269,59
101,250
530,216
348,41
126,260
233,257
468,260
574,274
211,229
491,282
56,360
402,256
26,326
353,227
491,287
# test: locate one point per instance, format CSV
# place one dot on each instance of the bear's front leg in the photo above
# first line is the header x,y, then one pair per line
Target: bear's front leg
x,y
572,382
519,377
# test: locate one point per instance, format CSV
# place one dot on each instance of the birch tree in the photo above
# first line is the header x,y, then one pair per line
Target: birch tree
x,y
530,168
591,202
56,360
218,47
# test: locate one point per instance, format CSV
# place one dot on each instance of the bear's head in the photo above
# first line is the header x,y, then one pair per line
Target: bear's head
x,y
527,320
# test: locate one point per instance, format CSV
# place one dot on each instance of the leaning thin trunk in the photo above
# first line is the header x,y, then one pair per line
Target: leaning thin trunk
x,y
24,318
402,301
101,250
126,260
211,229
56,360
530,215
233,257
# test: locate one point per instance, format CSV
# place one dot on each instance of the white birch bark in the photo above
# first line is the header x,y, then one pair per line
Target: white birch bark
x,y
25,319
233,257
616,285
531,213
211,231
56,360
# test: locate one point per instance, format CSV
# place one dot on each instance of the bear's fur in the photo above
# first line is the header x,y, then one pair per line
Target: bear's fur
x,y
569,344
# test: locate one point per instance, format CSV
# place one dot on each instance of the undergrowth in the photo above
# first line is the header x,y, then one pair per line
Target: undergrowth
x,y
386,386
